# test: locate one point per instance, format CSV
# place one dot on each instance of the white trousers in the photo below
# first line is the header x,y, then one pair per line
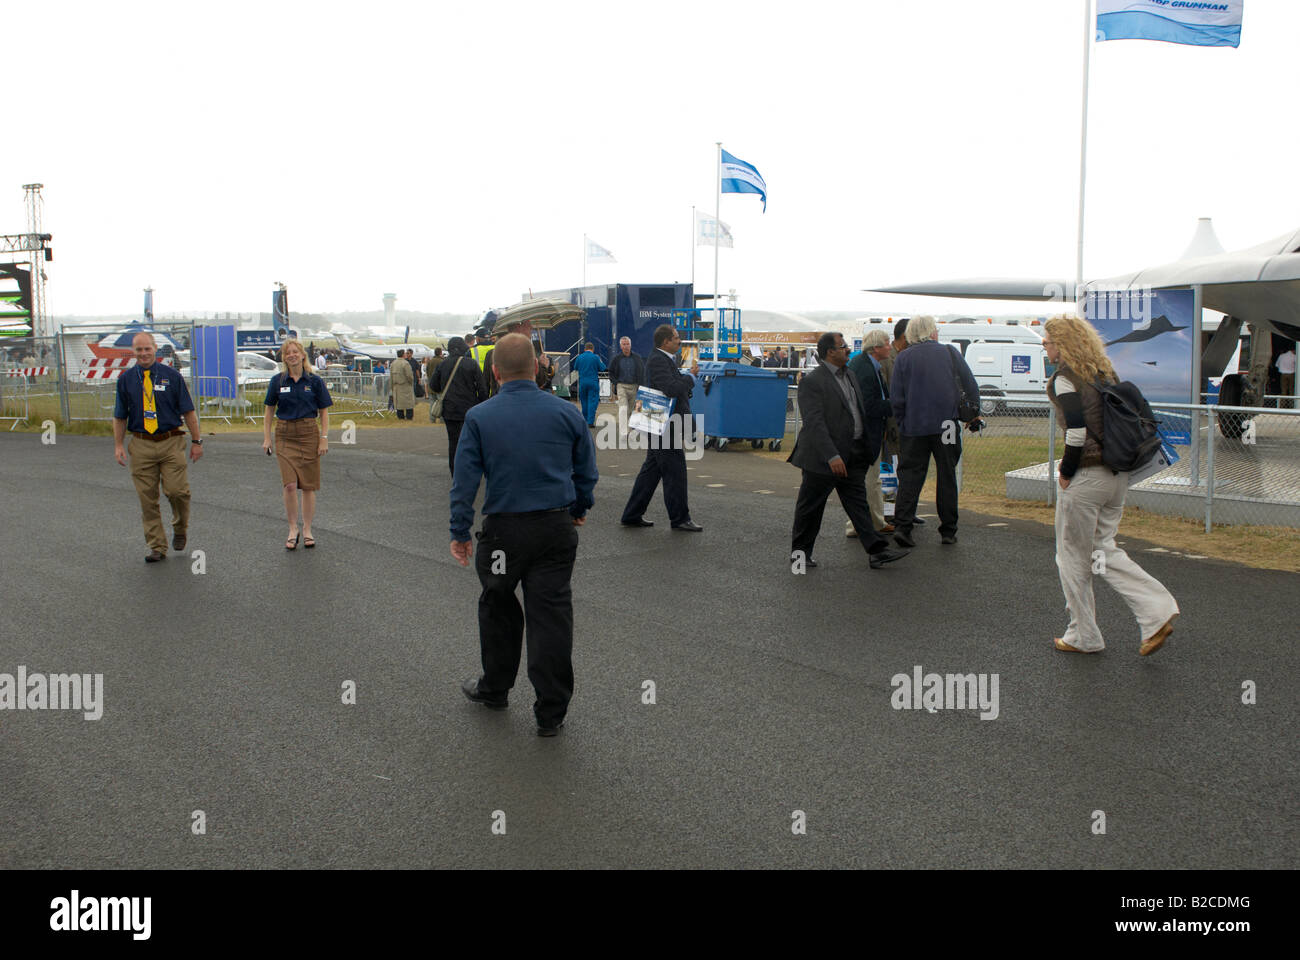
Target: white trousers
x,y
1087,517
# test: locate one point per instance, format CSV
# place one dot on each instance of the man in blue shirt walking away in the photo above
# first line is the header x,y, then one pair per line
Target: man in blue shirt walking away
x,y
540,464
589,367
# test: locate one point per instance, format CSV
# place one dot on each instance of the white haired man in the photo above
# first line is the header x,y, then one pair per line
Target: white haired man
x,y
924,396
873,385
627,373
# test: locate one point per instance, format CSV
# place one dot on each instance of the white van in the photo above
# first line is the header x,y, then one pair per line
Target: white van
x,y
965,332
1007,372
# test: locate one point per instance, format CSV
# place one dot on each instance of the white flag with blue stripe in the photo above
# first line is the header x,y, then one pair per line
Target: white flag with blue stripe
x,y
1202,23
741,177
598,254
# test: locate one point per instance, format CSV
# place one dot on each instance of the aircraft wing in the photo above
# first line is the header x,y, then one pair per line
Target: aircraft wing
x,y
988,288
1260,284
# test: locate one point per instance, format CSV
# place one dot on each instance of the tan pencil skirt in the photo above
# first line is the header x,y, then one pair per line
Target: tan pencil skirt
x,y
297,448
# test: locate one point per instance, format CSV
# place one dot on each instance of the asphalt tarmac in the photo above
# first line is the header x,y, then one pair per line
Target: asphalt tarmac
x,y
223,690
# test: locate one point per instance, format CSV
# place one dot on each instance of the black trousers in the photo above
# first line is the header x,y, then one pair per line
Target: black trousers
x,y
669,466
816,489
913,464
537,550
453,438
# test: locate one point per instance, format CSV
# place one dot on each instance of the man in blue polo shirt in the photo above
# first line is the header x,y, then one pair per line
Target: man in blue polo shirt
x,y
589,367
540,464
152,399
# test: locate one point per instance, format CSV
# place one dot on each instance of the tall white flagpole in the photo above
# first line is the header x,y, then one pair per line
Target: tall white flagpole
x,y
584,266
717,217
1088,30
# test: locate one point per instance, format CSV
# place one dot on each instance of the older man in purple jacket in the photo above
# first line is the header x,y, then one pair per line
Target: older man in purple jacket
x,y
924,395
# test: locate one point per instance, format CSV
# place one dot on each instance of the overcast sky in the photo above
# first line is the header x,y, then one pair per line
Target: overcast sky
x,y
455,154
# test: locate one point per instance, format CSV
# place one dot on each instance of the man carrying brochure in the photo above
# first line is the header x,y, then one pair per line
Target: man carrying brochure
x,y
666,457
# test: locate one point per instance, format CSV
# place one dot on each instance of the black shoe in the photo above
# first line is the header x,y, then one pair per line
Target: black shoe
x,y
919,521
638,522
470,689
690,526
904,538
155,556
178,541
879,559
808,561
549,731
948,538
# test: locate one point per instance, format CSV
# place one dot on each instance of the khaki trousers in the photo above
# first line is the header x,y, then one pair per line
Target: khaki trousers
x,y
875,501
154,462
626,405
1087,516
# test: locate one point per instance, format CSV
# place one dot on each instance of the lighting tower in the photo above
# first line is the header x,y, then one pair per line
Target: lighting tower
x,y
41,325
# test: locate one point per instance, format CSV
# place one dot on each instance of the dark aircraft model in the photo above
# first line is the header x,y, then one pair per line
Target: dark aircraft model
x,y
1158,326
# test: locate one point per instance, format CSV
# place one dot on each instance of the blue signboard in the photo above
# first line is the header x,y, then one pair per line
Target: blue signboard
x,y
1148,337
1019,363
213,370
262,339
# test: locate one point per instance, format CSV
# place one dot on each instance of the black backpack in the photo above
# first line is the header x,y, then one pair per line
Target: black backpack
x,y
1129,435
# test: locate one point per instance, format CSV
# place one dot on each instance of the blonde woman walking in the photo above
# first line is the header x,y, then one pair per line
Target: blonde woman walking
x,y
300,403
1091,501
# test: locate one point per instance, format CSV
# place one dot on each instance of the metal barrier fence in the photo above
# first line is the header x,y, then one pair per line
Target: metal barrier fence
x,y
1240,466
72,377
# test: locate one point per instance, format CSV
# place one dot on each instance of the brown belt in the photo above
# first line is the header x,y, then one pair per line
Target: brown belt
x,y
158,436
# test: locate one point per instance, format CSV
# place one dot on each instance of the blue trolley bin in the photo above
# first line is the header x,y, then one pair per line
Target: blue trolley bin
x,y
740,402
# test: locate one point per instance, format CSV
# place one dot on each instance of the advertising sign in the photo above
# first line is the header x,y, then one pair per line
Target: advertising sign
x,y
1148,338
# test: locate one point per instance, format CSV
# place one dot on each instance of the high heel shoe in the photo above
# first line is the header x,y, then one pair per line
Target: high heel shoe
x,y
291,543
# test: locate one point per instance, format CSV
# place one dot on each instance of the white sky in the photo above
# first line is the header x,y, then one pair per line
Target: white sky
x,y
456,153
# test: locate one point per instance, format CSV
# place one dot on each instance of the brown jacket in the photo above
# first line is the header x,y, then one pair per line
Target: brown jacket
x,y
1091,413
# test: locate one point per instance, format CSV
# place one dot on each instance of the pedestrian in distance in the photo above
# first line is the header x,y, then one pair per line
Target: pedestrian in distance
x,y
626,373
539,461
665,457
460,382
589,367
1090,504
925,398
402,388
1285,364
298,401
152,400
840,438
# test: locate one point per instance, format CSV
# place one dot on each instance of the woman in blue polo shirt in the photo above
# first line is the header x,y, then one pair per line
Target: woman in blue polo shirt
x,y
300,402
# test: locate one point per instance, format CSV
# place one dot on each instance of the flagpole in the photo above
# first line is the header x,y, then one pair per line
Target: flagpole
x,y
584,267
1088,30
717,220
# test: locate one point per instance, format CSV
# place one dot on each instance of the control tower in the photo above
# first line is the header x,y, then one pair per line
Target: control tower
x,y
390,309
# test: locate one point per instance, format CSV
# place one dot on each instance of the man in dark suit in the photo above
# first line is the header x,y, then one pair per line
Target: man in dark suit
x,y
666,458
839,439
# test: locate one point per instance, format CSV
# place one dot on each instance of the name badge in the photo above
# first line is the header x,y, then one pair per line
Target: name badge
x,y
150,415
285,389
160,388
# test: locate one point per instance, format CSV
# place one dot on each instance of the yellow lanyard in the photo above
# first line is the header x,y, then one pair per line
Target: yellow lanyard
x,y
150,406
